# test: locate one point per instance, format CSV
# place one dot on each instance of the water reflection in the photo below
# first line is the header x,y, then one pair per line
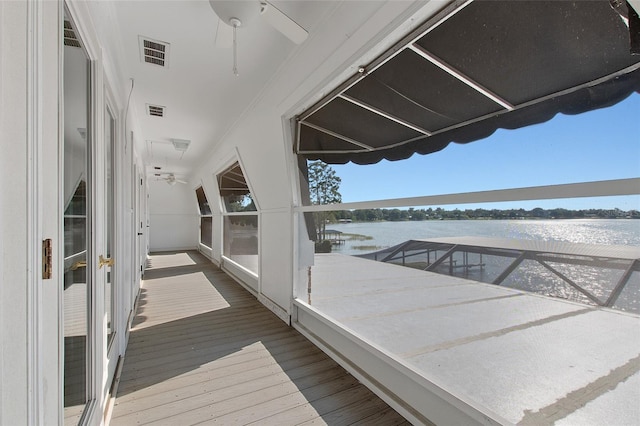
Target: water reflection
x,y
583,279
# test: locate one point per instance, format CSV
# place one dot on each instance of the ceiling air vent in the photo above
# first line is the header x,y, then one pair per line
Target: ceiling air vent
x,y
154,52
180,144
70,38
155,110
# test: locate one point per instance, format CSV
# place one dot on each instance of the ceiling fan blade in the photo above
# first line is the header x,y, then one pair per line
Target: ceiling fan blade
x,y
283,23
180,181
224,35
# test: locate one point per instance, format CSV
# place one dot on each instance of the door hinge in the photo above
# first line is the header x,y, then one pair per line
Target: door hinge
x,y
47,259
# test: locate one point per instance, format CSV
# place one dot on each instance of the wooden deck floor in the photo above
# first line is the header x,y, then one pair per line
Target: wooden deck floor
x,y
203,350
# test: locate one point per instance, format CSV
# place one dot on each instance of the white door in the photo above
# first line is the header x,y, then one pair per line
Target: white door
x,y
112,287
86,327
144,225
79,276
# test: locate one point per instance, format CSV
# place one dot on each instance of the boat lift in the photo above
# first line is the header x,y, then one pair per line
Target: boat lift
x,y
611,269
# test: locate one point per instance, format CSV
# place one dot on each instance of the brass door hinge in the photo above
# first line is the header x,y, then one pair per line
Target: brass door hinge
x,y
47,259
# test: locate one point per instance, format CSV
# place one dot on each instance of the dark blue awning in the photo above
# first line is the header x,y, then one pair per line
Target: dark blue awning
x,y
475,68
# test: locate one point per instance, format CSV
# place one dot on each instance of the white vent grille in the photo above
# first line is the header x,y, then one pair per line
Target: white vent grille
x,y
180,144
155,110
154,52
70,38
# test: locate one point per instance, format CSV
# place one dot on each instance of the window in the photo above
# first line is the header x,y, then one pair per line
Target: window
x,y
568,190
240,234
75,225
206,220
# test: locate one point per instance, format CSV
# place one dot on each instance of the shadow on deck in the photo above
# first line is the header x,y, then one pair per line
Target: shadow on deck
x,y
203,350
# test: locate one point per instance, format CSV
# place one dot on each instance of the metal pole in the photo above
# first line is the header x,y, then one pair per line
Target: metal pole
x,y
620,286
309,285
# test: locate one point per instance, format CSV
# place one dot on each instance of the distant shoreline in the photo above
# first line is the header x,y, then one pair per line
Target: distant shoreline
x,y
487,218
405,215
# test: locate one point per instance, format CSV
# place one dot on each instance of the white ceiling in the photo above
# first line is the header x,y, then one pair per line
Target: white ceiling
x,y
202,97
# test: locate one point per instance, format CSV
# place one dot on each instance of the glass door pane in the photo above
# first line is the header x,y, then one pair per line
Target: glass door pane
x,y
77,220
109,294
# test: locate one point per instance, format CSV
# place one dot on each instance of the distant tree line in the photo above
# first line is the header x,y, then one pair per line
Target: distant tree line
x,y
394,215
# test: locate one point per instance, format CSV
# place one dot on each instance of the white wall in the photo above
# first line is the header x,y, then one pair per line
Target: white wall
x,y
261,140
13,209
174,221
29,196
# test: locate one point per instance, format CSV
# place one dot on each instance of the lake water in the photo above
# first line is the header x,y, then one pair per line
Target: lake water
x,y
587,231
530,276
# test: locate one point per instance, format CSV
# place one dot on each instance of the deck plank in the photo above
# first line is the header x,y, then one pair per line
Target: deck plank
x,y
203,350
229,386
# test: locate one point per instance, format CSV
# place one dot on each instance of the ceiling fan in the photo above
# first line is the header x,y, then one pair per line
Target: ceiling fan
x,y
170,178
236,14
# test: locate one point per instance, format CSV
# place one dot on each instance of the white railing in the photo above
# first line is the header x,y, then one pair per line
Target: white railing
x,y
604,188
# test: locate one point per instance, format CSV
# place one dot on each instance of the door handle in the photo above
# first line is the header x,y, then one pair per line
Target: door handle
x,y
105,262
80,264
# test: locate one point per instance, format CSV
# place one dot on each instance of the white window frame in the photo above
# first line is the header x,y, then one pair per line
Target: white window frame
x,y
248,278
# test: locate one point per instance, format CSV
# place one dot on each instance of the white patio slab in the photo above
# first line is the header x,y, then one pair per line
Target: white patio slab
x,y
529,358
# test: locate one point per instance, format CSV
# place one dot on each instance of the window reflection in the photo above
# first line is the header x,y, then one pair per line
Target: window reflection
x,y
241,240
206,220
240,235
206,231
77,181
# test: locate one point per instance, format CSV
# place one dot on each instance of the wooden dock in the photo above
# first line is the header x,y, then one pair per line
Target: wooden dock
x,y
203,350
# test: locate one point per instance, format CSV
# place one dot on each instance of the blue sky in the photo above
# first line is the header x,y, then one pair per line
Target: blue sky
x,y
598,145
